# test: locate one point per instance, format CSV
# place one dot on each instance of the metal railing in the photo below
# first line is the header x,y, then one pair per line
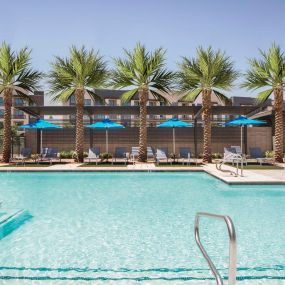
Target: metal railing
x,y
235,159
232,247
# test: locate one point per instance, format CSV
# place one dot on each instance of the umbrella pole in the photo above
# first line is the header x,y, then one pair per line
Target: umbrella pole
x,y
241,138
107,150
173,137
41,141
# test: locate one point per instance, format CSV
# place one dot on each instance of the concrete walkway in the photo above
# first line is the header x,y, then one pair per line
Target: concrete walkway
x,y
146,166
249,176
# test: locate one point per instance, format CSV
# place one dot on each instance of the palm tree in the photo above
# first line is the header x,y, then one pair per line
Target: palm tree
x,y
144,72
79,74
16,78
269,72
210,72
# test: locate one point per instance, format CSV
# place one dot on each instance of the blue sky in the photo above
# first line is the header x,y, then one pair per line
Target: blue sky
x,y
50,27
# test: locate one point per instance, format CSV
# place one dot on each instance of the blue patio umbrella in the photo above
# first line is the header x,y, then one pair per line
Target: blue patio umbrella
x,y
106,124
40,124
243,121
174,123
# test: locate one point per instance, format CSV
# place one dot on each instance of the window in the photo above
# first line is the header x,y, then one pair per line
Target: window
x,y
113,117
99,117
19,114
87,102
125,117
19,102
72,100
98,103
1,101
1,113
151,103
112,102
136,102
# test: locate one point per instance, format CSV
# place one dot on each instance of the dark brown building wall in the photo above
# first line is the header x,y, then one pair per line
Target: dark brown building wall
x,y
63,139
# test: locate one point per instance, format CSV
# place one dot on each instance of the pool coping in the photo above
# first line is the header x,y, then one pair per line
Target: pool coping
x,y
209,169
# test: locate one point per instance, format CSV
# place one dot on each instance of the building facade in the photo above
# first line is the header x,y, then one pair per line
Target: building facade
x,y
19,117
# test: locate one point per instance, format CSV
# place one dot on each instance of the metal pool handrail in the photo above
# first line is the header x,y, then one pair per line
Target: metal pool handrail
x,y
232,247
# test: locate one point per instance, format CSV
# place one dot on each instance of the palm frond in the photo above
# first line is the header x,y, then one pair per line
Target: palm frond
x,y
128,95
15,71
263,96
25,97
140,68
222,97
192,95
267,71
83,69
63,95
208,70
94,96
160,97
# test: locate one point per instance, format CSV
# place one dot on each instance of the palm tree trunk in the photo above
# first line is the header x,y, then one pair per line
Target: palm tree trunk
x,y
6,153
143,94
206,116
79,145
278,104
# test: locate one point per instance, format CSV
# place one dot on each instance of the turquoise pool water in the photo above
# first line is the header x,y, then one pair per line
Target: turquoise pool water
x,y
137,227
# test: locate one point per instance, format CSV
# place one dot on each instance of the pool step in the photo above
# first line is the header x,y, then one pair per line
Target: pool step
x,y
25,275
12,220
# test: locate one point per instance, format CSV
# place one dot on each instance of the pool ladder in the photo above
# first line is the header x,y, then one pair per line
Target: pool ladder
x,y
237,161
232,247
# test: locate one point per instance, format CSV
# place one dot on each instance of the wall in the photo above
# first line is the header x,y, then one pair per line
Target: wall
x,y
64,139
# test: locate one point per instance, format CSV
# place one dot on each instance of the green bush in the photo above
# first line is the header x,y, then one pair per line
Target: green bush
x,y
66,154
35,157
105,156
217,155
70,154
269,153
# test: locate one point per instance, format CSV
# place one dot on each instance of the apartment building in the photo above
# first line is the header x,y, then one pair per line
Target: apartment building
x,y
18,116
113,98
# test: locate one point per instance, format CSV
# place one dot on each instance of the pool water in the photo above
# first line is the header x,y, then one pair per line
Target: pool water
x,y
138,227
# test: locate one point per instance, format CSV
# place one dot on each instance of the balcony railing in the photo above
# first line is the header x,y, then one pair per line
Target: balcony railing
x,y
19,116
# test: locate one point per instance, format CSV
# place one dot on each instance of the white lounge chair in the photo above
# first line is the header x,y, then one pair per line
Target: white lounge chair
x,y
162,156
22,157
150,153
135,153
238,150
93,154
231,156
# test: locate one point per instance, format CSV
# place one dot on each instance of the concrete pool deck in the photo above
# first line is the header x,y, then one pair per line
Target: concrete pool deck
x,y
276,176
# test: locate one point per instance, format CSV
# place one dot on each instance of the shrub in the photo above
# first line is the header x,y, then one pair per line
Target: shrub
x,y
70,154
35,157
105,156
217,155
269,153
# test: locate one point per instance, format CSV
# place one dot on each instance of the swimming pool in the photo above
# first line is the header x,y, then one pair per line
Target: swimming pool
x,y
129,227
